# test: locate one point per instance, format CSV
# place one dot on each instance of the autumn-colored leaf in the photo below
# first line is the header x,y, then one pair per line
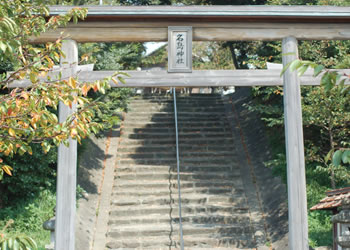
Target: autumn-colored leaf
x,y
115,81
12,132
72,82
25,95
95,88
85,90
73,132
7,169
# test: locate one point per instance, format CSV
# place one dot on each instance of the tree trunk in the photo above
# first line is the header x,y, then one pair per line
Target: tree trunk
x,y
234,58
331,141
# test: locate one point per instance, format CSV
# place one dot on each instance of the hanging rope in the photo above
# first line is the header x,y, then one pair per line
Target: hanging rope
x,y
178,171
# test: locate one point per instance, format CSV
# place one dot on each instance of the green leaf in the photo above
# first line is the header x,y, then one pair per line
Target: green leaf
x,y
4,245
16,245
346,157
295,65
121,79
337,157
29,242
3,46
326,82
328,156
302,70
318,70
10,242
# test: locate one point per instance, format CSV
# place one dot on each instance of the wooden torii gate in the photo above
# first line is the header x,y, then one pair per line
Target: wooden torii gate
x,y
209,23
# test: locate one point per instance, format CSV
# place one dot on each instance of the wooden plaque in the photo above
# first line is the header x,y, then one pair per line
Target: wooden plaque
x,y
179,49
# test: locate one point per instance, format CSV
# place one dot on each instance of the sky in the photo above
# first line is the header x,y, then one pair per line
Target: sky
x,y
152,46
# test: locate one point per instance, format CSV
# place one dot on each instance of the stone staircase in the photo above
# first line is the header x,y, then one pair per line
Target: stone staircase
x,y
144,208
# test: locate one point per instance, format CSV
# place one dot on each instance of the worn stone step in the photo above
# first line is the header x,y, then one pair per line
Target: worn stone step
x,y
158,184
211,230
171,141
172,153
173,169
171,135
183,148
183,160
184,124
194,243
171,190
179,99
173,218
169,107
181,119
186,198
171,130
180,104
179,114
183,176
143,210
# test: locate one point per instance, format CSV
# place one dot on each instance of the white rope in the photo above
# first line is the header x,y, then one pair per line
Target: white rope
x,y
178,171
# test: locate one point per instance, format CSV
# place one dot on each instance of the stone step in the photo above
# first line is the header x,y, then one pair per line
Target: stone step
x,y
183,148
181,104
172,191
194,243
183,160
171,130
198,104
182,136
224,219
172,153
179,114
171,187
210,230
183,176
143,210
173,169
171,141
186,198
179,99
158,184
183,124
170,109
181,119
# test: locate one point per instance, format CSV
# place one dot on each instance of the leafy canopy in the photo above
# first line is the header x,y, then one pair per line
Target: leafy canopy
x,y
29,114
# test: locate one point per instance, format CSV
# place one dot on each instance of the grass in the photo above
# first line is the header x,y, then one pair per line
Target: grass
x,y
320,225
29,216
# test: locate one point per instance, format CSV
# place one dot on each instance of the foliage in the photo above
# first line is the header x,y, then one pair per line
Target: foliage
x,y
111,106
113,56
331,118
220,2
14,242
211,55
309,2
28,216
157,58
108,2
31,174
28,114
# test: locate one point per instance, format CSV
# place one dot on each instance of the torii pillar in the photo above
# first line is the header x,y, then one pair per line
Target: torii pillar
x,y
297,209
